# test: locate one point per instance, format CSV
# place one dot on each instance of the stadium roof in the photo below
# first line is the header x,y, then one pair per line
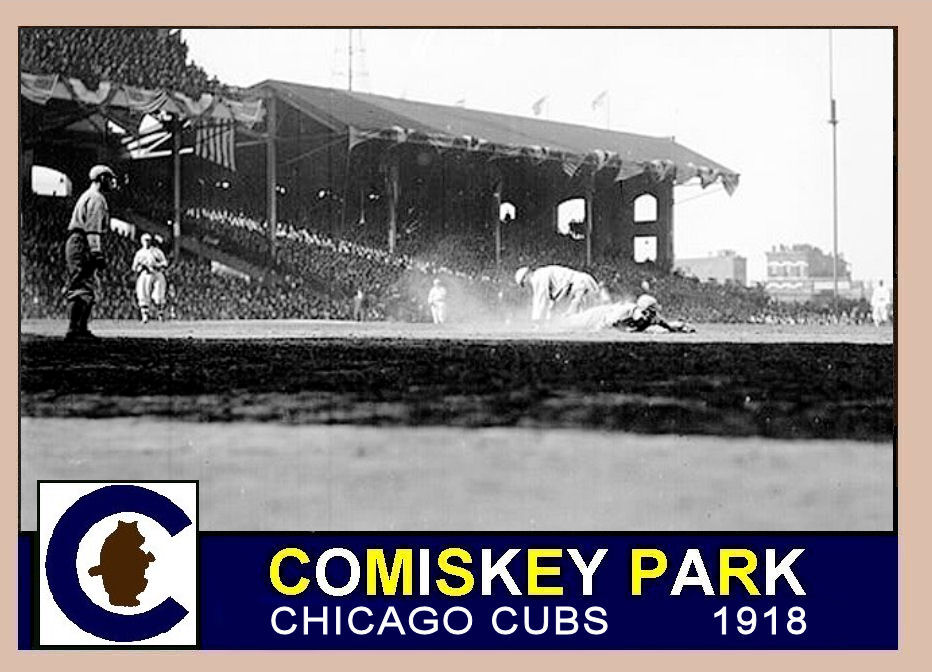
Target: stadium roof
x,y
365,116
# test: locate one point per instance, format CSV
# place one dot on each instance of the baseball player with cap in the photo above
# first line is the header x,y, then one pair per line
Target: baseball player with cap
x,y
625,315
552,284
150,263
437,300
880,304
83,254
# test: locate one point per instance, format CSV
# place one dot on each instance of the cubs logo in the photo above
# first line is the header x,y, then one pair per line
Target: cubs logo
x,y
118,564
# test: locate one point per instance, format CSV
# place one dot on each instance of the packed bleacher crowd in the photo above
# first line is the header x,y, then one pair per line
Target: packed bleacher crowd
x,y
195,291
397,283
149,58
313,271
315,275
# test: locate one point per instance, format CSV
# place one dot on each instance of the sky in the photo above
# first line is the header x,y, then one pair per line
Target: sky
x,y
754,100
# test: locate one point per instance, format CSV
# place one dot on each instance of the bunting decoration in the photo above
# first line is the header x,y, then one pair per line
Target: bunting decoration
x,y
730,182
685,173
601,158
628,169
570,165
146,101
661,169
706,176
536,153
40,89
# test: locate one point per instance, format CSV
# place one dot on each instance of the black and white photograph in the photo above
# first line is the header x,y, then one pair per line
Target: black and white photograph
x,y
445,279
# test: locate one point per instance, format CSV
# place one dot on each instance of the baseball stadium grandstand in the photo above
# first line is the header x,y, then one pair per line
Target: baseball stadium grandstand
x,y
310,195
305,229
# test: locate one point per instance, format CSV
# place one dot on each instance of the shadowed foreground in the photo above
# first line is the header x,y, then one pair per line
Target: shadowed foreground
x,y
362,427
783,390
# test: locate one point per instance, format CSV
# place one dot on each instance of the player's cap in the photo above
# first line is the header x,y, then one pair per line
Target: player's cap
x,y
436,281
99,171
646,301
521,274
145,236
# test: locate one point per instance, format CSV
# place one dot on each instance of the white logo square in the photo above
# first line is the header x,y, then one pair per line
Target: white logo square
x,y
117,564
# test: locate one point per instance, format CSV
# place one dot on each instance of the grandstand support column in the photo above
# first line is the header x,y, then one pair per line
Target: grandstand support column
x,y
271,172
496,212
665,253
176,185
391,187
590,196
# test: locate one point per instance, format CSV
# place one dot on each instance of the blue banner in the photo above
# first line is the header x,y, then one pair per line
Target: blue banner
x,y
491,591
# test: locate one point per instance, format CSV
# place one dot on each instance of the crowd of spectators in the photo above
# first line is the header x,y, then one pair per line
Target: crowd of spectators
x,y
149,58
315,275
196,290
393,283
233,233
396,284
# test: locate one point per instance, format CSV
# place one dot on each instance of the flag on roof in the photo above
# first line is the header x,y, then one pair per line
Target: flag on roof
x,y
538,105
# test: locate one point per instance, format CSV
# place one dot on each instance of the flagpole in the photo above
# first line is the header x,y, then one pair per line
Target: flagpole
x,y
349,63
834,123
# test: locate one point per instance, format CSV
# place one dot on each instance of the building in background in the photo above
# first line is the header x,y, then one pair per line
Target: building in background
x,y
724,266
804,273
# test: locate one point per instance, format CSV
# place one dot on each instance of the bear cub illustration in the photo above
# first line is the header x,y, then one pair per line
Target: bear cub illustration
x,y
123,565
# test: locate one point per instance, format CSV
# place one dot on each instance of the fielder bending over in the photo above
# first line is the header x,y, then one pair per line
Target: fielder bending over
x,y
553,284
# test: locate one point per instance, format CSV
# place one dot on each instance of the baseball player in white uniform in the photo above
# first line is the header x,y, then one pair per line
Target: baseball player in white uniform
x,y
625,315
553,284
437,300
150,263
880,304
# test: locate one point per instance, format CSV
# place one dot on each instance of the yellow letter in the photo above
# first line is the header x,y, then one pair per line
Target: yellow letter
x,y
454,570
726,571
401,566
275,575
638,573
534,571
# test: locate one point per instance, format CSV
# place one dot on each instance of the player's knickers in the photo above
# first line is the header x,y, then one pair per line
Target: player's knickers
x,y
81,283
159,286
144,285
